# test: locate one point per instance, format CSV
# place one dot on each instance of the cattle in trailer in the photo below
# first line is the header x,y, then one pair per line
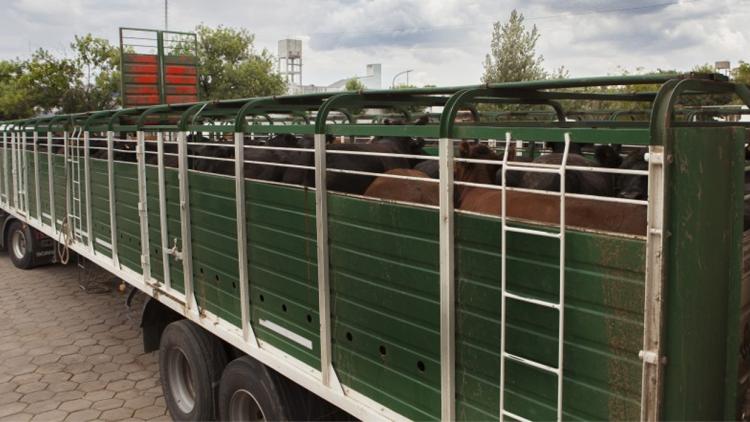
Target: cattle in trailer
x,y
416,191
583,213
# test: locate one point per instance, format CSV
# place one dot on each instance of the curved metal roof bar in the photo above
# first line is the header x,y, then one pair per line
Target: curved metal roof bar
x,y
239,120
94,116
462,98
149,111
663,109
124,112
60,118
182,124
333,103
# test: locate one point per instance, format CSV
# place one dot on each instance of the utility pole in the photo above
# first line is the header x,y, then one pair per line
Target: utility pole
x,y
166,20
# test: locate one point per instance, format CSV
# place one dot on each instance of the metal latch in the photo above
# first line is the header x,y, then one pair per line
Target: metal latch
x,y
174,251
651,357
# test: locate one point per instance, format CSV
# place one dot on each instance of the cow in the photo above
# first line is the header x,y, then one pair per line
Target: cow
x,y
583,213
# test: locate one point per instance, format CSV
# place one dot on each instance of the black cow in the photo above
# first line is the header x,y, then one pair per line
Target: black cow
x,y
590,183
633,186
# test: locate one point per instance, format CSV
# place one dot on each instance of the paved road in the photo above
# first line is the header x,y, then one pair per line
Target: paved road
x,y
68,355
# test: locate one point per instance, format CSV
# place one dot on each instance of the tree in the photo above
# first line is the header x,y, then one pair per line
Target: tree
x,y
231,68
98,85
513,52
13,103
35,86
741,73
354,84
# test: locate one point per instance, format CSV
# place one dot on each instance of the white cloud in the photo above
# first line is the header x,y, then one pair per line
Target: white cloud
x,y
443,40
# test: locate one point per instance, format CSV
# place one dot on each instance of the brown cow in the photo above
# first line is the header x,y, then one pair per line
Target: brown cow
x,y
404,190
583,213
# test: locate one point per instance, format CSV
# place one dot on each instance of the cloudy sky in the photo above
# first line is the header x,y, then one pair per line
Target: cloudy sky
x,y
444,41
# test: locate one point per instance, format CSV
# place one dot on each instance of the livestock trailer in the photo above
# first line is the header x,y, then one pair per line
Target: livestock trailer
x,y
396,309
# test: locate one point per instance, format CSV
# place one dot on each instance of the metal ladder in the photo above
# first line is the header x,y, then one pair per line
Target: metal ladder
x,y
506,295
75,209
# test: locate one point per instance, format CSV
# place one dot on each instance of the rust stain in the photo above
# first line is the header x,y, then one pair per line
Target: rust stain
x,y
619,337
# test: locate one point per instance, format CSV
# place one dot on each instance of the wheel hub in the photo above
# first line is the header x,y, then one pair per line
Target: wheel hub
x,y
244,407
181,381
18,244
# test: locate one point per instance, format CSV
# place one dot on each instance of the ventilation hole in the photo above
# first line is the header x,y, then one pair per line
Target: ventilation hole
x,y
262,298
420,366
283,308
216,277
309,318
382,350
349,336
201,270
234,285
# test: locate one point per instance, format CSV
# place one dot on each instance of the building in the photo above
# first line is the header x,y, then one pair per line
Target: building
x,y
372,79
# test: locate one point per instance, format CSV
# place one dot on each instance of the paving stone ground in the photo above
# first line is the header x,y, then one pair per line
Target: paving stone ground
x,y
68,355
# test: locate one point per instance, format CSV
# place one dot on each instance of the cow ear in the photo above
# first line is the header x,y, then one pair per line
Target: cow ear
x,y
422,120
464,149
418,142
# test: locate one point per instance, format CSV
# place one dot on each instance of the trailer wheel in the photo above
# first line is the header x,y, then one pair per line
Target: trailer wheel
x,y
250,392
190,365
20,245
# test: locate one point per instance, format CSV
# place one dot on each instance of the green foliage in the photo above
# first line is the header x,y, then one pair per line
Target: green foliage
x,y
513,52
98,85
354,84
13,103
231,68
741,73
90,80
36,85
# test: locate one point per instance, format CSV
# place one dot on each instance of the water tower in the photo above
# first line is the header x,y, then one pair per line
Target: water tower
x,y
290,61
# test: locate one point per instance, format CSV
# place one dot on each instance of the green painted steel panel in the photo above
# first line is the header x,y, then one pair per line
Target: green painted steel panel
x,y
704,267
214,240
282,266
100,206
385,299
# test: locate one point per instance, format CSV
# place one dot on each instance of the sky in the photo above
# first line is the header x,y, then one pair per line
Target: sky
x,y
443,41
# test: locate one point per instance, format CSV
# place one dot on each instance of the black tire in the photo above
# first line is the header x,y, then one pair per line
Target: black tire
x,y
20,243
190,364
249,391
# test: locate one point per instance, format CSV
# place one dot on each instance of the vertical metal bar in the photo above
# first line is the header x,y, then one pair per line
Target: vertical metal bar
x,y
25,174
503,272
162,66
239,178
68,179
6,169
140,151
187,246
163,211
87,186
37,193
51,181
321,225
14,168
561,314
447,285
653,365
111,191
